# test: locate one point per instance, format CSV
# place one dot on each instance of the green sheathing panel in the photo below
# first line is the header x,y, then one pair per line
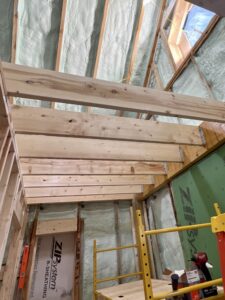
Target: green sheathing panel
x,y
194,192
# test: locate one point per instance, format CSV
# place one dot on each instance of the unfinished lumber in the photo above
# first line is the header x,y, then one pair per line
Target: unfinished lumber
x,y
45,166
60,39
5,178
78,199
13,262
18,213
56,226
77,124
158,26
83,180
4,134
67,147
7,212
49,85
79,191
5,153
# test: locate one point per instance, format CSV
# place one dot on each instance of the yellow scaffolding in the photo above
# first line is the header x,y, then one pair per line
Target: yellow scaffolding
x,y
145,262
216,224
96,281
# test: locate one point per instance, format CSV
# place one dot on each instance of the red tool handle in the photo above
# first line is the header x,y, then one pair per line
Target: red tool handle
x,y
23,267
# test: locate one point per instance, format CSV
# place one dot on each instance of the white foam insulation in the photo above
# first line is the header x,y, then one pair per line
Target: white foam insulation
x,y
163,63
116,40
168,243
6,21
99,224
146,37
211,60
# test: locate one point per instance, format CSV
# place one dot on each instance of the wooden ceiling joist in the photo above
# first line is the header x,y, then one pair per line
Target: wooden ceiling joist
x,y
77,199
49,85
48,122
38,146
34,166
82,191
85,180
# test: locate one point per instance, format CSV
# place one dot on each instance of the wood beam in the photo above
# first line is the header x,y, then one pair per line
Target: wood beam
x,y
56,226
77,124
14,31
82,191
35,166
85,180
7,211
67,147
60,39
78,199
48,85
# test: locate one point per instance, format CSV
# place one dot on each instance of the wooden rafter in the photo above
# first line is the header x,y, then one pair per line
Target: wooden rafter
x,y
14,36
160,17
135,43
14,31
100,41
60,40
61,32
77,124
48,85
134,49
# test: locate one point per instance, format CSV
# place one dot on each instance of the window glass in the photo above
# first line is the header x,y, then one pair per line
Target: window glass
x,y
196,22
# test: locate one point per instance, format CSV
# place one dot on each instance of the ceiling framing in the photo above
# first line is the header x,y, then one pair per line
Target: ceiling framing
x,y
72,155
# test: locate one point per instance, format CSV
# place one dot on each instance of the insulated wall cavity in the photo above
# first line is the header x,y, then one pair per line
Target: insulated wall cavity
x,y
6,25
167,243
100,225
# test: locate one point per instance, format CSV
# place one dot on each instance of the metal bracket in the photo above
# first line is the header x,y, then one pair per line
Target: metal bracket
x,y
218,223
